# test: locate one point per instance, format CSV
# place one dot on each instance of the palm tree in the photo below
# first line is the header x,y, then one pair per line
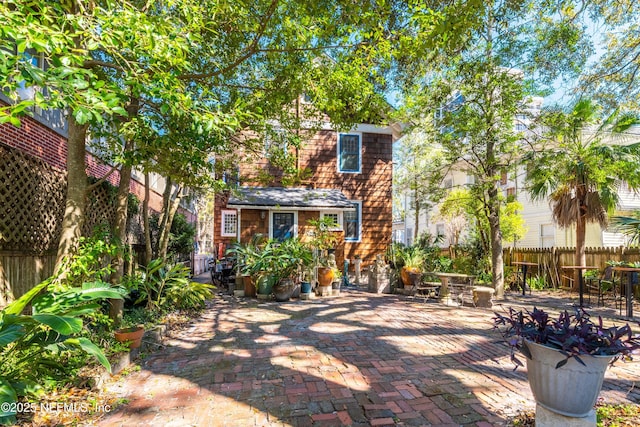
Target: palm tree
x,y
629,226
579,168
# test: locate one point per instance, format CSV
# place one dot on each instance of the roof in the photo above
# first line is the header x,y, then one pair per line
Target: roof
x,y
289,198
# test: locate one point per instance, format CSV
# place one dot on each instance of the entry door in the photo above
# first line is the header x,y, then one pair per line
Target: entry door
x,y
282,226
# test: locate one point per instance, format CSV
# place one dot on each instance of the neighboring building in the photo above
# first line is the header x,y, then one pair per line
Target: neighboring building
x,y
350,181
542,230
33,184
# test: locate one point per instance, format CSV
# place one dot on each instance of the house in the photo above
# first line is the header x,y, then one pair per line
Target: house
x,y
350,180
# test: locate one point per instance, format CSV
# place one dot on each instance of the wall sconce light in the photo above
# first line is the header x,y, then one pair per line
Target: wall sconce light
x,y
263,214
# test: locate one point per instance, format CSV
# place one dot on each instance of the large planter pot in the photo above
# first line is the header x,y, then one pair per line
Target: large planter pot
x,y
249,287
408,275
325,276
283,289
265,285
131,335
571,390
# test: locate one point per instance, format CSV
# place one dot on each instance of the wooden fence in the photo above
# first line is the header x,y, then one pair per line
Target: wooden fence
x,y
550,260
20,272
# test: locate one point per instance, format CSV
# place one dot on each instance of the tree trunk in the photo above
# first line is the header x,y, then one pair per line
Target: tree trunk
x,y
76,192
116,306
148,251
497,265
417,218
165,232
580,255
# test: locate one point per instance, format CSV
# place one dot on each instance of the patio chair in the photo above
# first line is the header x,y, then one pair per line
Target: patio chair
x,y
427,287
601,285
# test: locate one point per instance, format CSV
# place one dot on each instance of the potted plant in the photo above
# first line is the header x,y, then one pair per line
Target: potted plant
x,y
278,264
323,240
247,255
566,357
131,335
413,259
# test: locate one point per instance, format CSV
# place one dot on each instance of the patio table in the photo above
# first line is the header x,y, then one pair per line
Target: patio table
x,y
580,268
628,271
446,278
524,266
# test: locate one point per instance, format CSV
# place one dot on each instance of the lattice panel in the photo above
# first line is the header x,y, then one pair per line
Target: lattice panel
x,y
32,197
32,202
101,210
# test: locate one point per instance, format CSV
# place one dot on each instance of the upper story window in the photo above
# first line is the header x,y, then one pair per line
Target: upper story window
x,y
229,223
275,142
349,152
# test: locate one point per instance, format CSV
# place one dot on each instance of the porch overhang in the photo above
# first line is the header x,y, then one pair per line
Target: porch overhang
x,y
292,199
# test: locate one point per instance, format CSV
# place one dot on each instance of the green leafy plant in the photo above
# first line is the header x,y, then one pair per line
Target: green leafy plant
x,y
31,345
538,282
189,297
91,260
281,260
157,278
323,237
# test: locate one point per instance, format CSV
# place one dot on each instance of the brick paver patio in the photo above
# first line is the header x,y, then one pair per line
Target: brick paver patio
x,y
358,359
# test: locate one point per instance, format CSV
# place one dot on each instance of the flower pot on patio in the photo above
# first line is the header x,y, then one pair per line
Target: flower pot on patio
x,y
325,276
305,287
570,390
249,286
132,335
283,289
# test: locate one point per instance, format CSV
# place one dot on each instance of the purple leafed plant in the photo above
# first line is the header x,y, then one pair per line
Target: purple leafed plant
x,y
573,335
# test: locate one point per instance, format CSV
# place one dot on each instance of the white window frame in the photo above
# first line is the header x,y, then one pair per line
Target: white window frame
x,y
295,221
543,237
359,135
333,212
223,215
344,226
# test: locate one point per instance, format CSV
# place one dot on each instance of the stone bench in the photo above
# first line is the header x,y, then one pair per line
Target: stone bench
x,y
483,296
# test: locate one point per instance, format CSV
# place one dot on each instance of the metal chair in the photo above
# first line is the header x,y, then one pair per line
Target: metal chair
x,y
601,285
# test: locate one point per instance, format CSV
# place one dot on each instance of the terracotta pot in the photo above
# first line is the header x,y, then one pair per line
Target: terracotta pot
x,y
131,335
406,275
325,276
249,287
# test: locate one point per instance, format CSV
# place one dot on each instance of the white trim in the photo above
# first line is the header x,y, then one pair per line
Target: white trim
x,y
359,135
295,221
223,214
359,211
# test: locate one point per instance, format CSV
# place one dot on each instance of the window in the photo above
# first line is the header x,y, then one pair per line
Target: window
x,y
503,177
229,223
440,230
547,235
352,223
231,178
471,179
335,216
511,191
447,183
275,142
349,148
283,225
